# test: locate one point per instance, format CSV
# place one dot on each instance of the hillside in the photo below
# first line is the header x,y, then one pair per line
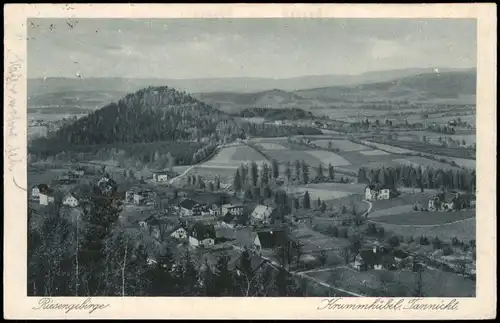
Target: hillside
x,y
40,86
150,115
417,87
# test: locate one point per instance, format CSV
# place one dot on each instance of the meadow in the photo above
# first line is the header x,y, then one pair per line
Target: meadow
x,y
403,283
424,218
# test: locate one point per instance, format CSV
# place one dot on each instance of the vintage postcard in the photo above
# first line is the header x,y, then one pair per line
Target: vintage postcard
x,y
280,161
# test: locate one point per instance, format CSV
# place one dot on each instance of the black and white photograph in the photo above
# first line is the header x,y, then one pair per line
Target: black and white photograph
x,y
256,157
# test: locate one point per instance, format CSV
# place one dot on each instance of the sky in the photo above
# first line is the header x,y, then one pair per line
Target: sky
x,y
217,48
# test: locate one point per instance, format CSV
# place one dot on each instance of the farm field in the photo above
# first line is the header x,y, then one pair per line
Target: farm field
x,y
271,146
234,156
464,230
373,152
343,145
327,157
395,216
435,283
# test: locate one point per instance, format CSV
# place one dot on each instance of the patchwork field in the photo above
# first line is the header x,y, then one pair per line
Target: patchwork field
x,y
271,146
327,157
234,156
343,145
373,152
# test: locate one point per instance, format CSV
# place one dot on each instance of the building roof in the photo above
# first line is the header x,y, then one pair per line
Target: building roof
x,y
232,206
398,253
272,238
261,211
187,204
161,172
42,187
201,231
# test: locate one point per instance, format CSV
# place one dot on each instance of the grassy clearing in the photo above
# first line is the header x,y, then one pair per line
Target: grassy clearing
x,y
423,218
403,283
464,230
314,193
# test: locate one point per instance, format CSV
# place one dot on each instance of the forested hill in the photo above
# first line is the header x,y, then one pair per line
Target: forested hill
x,y
150,114
155,114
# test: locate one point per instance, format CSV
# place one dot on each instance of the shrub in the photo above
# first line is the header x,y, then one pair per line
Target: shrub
x,y
455,242
343,233
447,251
424,241
437,243
393,241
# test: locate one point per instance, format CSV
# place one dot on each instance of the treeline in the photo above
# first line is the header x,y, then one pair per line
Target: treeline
x,y
417,176
155,153
276,114
97,257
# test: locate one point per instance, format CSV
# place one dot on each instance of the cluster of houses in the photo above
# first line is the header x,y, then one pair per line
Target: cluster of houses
x,y
43,193
74,197
378,257
451,201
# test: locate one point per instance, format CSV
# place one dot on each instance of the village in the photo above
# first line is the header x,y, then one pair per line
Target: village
x,y
220,221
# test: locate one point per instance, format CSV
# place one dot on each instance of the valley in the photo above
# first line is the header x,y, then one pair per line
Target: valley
x,y
311,162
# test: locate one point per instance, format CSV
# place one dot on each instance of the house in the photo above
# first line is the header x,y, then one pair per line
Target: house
x,y
180,233
129,195
46,197
399,255
374,192
106,185
187,207
233,209
450,201
35,190
202,235
160,176
270,239
374,258
261,214
151,225
223,233
79,171
70,200
139,197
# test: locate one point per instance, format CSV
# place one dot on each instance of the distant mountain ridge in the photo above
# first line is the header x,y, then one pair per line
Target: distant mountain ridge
x,y
37,86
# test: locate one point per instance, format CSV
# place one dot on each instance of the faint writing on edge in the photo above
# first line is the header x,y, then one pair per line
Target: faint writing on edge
x,y
11,81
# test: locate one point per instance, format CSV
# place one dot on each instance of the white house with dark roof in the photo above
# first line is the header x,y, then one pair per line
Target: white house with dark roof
x,y
35,190
160,176
374,192
231,208
70,200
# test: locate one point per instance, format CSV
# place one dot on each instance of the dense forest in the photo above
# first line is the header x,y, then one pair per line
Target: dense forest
x,y
151,115
421,177
96,256
276,114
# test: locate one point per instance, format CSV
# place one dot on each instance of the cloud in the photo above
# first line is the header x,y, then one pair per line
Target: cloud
x,y
385,49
